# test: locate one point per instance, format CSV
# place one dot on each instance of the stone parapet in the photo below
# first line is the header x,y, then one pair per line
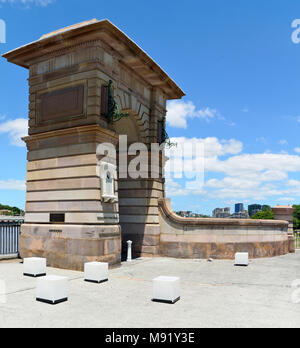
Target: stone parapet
x,y
219,238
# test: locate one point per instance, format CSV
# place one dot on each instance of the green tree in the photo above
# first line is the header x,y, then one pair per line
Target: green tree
x,y
296,219
265,214
13,210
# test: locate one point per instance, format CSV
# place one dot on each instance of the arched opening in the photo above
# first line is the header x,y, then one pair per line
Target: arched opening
x,y
138,201
129,126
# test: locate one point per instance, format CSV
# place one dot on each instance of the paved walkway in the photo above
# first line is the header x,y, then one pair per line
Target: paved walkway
x,y
214,294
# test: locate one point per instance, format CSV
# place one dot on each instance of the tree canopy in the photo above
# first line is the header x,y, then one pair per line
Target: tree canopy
x,y
296,219
13,210
265,214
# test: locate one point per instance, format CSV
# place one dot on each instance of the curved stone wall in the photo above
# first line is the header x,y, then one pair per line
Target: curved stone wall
x,y
195,238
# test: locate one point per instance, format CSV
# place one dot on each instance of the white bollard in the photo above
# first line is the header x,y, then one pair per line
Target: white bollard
x,y
166,290
96,272
52,289
129,251
242,259
35,267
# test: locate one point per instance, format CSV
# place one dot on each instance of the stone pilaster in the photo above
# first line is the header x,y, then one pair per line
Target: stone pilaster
x,y
285,212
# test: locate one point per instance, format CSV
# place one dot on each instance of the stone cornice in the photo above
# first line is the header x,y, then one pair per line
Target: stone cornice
x,y
283,210
132,55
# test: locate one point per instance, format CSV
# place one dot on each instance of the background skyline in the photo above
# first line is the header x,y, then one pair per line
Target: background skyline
x,y
237,64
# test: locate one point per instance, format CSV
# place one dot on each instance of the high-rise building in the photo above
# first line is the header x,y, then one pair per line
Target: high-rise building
x,y
241,215
239,207
221,213
254,208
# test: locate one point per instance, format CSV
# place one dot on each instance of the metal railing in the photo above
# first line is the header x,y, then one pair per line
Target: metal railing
x,y
9,238
297,239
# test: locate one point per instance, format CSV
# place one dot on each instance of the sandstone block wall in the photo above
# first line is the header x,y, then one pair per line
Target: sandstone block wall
x,y
219,238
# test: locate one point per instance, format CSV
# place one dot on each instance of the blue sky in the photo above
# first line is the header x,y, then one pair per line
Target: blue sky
x,y
234,59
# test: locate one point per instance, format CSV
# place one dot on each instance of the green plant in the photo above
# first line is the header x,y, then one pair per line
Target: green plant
x,y
265,214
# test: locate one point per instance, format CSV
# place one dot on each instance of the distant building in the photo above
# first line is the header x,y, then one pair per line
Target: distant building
x,y
239,207
221,213
5,212
185,214
254,209
189,214
241,215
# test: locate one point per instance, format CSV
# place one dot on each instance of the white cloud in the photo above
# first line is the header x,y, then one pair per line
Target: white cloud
x,y
283,142
42,3
12,184
245,176
262,140
180,111
254,163
256,187
16,129
174,189
213,147
191,156
286,199
297,149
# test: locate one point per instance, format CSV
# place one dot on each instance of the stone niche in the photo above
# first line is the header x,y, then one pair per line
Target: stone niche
x,y
68,221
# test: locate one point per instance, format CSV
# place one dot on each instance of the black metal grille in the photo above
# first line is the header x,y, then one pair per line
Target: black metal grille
x,y
9,238
297,240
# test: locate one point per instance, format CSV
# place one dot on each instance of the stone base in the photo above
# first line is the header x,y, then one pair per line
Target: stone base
x,y
71,246
223,251
292,246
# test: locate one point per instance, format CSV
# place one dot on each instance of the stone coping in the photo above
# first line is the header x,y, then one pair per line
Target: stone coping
x,y
165,206
130,53
283,209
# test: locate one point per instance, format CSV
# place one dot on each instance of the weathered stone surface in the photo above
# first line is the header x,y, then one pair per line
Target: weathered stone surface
x,y
72,247
222,251
220,238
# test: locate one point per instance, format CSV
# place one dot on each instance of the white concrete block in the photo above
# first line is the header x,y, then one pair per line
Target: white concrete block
x,y
166,289
242,259
96,272
34,267
52,289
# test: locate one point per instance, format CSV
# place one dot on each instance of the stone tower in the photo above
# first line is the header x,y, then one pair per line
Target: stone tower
x,y
69,217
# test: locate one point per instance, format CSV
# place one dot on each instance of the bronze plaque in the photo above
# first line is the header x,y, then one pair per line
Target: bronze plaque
x,y
62,104
57,218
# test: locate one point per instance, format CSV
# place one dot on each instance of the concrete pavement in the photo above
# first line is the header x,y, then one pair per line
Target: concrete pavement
x,y
215,294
